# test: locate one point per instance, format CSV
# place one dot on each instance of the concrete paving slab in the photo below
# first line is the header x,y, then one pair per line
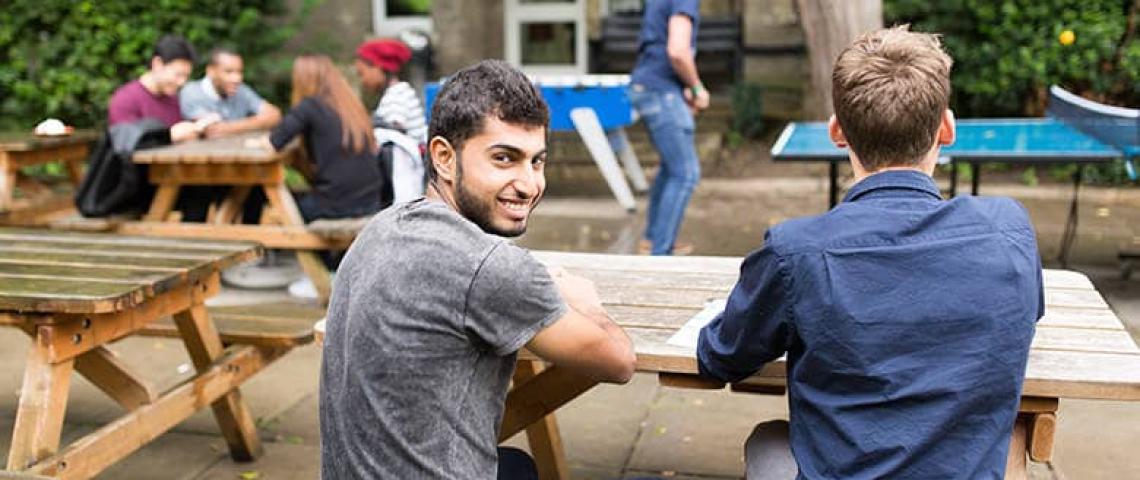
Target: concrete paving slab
x,y
599,429
1098,439
669,475
281,461
701,432
300,424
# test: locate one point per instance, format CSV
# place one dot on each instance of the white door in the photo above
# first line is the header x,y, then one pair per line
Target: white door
x,y
546,37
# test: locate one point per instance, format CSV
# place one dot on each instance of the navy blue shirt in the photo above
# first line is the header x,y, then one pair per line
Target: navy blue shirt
x,y
906,320
653,69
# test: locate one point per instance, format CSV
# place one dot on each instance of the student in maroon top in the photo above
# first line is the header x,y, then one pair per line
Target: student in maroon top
x,y
155,93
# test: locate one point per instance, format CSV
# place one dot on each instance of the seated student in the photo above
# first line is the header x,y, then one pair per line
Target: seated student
x,y
378,63
432,303
338,138
906,318
155,93
222,100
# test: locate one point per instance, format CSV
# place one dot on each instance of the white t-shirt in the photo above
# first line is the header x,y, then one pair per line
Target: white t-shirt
x,y
400,109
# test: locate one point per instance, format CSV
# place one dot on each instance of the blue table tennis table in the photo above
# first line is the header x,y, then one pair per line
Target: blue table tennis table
x,y
1020,140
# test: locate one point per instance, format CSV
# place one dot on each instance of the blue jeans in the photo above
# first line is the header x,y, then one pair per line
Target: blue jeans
x,y
670,125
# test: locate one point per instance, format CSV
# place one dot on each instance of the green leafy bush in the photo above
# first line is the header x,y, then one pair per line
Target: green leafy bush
x,y
64,58
747,112
1007,53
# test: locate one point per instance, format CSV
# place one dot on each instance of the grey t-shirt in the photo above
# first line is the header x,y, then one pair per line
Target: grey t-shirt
x,y
426,317
199,98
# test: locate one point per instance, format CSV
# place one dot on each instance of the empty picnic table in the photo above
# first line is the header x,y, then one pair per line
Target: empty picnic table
x,y
74,293
19,150
1081,349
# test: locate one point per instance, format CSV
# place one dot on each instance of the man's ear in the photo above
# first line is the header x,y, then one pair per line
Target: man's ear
x,y
443,156
156,62
836,132
947,129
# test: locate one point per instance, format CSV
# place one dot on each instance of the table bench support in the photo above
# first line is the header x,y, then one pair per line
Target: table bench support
x,y
543,436
205,346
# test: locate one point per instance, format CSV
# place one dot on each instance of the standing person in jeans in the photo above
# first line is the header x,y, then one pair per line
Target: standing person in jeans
x,y
906,318
666,90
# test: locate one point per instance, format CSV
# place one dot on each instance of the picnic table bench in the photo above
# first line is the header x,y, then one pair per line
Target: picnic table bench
x,y
75,293
40,202
1081,349
230,162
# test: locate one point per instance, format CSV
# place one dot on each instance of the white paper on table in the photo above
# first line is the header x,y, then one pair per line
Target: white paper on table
x,y
689,333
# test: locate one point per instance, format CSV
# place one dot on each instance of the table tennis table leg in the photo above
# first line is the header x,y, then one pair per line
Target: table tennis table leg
x,y
1071,222
953,179
590,129
833,191
619,142
975,178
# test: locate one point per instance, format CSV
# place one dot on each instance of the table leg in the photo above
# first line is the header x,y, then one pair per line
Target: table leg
x,y
543,436
231,207
620,143
75,170
1016,465
163,203
590,129
529,402
233,417
1070,233
7,182
104,369
282,202
975,178
833,187
43,401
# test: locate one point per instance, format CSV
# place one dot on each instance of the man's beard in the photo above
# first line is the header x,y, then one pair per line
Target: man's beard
x,y
480,211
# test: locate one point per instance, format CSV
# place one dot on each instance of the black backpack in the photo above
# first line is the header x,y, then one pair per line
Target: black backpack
x,y
113,183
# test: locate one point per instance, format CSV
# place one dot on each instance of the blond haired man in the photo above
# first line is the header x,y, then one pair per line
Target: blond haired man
x,y
906,319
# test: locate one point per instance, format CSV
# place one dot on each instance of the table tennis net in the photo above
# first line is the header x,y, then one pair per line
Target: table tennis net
x,y
1116,126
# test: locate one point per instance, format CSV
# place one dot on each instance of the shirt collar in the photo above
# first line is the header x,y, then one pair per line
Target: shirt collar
x,y
894,180
208,87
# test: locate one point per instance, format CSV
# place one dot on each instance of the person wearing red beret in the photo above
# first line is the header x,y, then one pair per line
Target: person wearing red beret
x,y
378,63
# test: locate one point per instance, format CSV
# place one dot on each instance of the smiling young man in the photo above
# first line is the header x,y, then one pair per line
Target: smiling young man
x,y
155,94
432,303
222,100
906,318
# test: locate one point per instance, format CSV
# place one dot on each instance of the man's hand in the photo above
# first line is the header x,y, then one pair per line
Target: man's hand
x,y
183,131
697,102
579,293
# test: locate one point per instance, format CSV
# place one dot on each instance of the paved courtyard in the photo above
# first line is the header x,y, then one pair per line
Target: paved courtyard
x,y
640,429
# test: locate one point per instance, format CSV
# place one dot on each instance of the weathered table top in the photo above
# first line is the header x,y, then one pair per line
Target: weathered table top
x,y
27,141
234,149
69,272
1081,349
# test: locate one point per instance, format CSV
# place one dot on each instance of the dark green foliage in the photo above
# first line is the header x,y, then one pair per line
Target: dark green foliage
x,y
1007,54
63,58
747,110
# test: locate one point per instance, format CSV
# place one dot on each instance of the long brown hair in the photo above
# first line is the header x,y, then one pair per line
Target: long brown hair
x,y
315,75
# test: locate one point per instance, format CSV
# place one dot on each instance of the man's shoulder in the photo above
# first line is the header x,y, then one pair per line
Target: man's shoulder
x,y
432,224
127,91
192,91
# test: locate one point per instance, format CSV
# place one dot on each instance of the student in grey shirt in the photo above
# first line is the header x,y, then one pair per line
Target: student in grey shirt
x,y
432,303
223,102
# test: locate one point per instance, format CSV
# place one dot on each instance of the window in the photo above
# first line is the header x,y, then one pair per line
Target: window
x,y
389,17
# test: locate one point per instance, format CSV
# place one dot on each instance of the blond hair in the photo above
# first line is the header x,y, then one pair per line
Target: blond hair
x,y
889,89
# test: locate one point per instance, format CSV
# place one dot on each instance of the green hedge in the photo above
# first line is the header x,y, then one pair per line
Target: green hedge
x,y
1007,52
63,58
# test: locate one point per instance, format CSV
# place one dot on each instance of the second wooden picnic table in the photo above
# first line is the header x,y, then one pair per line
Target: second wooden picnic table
x,y
74,294
20,150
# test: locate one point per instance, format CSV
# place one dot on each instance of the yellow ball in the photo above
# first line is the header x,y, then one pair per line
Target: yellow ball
x,y
1067,37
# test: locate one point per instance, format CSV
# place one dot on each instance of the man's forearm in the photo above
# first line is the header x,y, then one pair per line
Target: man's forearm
x,y
686,68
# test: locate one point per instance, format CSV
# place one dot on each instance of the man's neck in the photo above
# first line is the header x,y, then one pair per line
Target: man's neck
x,y
147,81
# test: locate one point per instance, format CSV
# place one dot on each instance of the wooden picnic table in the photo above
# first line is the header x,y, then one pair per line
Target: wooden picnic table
x,y
74,293
1081,349
19,150
234,163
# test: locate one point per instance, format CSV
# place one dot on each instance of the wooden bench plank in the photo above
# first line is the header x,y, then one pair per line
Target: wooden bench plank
x,y
109,250
70,237
61,295
260,325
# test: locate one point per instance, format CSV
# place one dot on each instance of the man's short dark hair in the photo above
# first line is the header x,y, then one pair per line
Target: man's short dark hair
x,y
490,87
174,47
217,52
